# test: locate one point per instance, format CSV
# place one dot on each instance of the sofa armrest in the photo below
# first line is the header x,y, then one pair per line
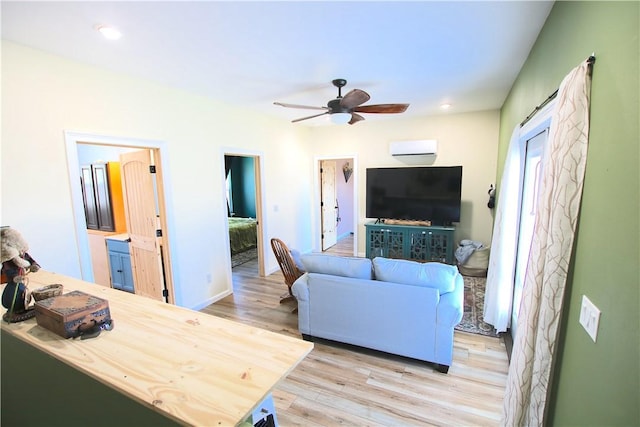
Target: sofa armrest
x,y
451,305
300,290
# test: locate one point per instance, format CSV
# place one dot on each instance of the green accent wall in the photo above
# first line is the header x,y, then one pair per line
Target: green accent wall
x,y
243,181
595,383
38,390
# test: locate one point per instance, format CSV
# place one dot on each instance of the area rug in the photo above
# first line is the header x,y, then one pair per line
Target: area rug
x,y
244,257
472,319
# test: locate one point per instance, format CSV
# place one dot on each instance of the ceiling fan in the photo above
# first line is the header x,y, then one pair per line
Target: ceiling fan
x,y
345,109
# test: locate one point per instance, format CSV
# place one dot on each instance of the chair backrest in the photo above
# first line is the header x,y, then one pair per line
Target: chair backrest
x,y
289,269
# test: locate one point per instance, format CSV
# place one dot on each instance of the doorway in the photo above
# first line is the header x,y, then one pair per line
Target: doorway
x,y
75,144
243,197
336,185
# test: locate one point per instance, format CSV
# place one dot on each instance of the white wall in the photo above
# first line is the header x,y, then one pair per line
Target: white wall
x,y
44,95
467,139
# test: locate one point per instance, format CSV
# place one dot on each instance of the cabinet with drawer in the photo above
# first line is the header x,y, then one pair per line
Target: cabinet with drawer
x,y
120,265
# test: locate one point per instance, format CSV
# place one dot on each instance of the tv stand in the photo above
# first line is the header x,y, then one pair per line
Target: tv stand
x,y
418,243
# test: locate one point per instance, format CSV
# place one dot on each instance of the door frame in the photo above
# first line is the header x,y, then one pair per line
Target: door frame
x,y
72,140
261,229
317,185
539,122
519,269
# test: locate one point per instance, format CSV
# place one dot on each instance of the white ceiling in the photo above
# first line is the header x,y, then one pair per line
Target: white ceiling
x,y
250,54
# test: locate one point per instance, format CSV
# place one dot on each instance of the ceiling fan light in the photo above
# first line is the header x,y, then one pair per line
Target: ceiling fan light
x,y
340,118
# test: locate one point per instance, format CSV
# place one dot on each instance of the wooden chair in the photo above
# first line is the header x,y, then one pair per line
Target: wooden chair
x,y
289,268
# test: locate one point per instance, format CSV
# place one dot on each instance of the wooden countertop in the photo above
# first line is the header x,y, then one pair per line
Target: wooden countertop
x,y
120,236
194,368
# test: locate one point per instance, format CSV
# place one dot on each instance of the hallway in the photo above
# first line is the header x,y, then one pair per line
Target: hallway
x,y
344,247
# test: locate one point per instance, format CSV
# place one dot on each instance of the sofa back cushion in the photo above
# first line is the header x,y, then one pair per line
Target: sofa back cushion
x,y
358,268
431,274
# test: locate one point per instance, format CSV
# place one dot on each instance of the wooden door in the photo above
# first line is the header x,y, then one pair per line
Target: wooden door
x,y
328,203
258,185
142,222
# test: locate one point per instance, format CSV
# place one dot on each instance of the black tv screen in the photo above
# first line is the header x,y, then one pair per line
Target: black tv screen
x,y
415,193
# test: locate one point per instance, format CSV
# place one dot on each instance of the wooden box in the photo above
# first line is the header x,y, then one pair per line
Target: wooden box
x,y
66,313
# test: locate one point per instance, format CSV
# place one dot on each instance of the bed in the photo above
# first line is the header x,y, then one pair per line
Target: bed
x,y
242,234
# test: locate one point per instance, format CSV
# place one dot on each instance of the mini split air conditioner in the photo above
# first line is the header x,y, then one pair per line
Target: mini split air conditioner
x,y
423,147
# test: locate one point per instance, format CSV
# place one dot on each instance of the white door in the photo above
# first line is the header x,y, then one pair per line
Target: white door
x,y
528,204
328,203
138,187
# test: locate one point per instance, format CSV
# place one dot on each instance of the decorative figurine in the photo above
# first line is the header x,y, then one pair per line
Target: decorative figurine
x,y
16,264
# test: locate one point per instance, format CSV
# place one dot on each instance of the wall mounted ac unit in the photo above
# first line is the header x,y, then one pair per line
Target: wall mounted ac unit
x,y
423,147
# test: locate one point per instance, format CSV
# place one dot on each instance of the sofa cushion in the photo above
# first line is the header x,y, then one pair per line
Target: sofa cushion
x,y
430,274
358,268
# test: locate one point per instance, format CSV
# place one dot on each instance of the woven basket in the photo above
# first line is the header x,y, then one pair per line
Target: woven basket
x,y
473,272
477,264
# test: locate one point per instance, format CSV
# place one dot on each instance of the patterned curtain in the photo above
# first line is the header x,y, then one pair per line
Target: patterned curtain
x,y
556,218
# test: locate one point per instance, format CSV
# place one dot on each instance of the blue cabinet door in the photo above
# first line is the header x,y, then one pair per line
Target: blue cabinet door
x,y
385,242
117,272
127,274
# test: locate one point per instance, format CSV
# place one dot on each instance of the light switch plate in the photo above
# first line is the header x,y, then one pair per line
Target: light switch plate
x,y
589,317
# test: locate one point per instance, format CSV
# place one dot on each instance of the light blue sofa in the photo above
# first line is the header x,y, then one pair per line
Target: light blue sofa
x,y
395,306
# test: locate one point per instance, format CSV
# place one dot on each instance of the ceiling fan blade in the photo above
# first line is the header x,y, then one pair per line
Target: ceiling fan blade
x,y
355,118
308,107
354,98
309,117
382,108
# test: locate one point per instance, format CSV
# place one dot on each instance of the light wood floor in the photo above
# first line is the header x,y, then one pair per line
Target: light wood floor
x,y
341,385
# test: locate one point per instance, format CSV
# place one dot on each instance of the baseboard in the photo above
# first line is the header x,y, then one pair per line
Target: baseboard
x,y
211,300
343,235
271,269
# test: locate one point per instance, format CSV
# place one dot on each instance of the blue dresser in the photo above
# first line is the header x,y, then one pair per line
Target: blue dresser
x,y
120,265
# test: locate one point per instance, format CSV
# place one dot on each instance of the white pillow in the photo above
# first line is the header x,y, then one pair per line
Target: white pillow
x,y
297,259
430,274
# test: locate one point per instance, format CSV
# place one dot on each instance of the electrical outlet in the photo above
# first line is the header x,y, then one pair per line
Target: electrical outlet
x,y
589,317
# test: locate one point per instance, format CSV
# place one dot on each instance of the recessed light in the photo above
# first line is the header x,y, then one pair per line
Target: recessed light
x,y
108,32
445,106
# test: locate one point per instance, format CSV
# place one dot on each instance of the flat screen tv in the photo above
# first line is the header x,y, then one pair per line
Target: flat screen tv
x,y
415,193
